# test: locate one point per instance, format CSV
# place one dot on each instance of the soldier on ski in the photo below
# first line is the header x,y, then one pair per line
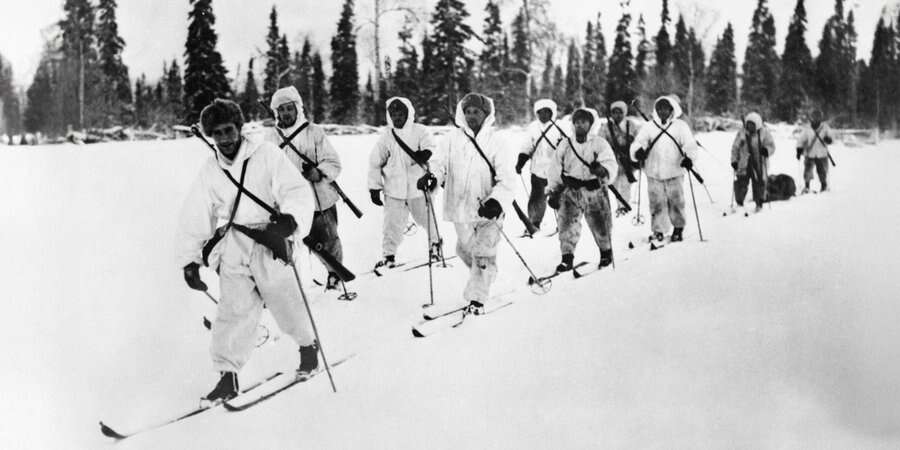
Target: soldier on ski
x,y
750,159
540,146
477,170
251,248
294,133
398,161
578,176
813,144
620,132
665,147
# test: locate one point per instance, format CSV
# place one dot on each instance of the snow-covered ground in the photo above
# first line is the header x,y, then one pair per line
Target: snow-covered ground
x,y
779,331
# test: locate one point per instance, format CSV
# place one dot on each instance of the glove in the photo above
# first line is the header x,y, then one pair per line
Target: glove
x,y
687,163
553,200
828,140
640,154
734,165
311,173
422,156
375,194
192,277
282,225
598,170
799,153
490,209
764,151
523,158
427,182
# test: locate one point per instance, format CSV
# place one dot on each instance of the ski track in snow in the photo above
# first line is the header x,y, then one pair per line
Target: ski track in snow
x,y
777,332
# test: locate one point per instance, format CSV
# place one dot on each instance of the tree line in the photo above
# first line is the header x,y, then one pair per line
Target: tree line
x,y
82,82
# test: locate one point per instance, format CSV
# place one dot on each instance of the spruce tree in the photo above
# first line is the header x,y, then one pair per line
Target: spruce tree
x,y
721,84
302,76
39,107
559,86
117,85
833,65
174,92
574,95
492,60
79,75
285,77
880,74
547,76
681,58
345,75
368,102
642,61
794,86
519,75
428,106
10,114
451,62
319,93
273,56
663,44
588,59
250,96
205,77
622,80
761,62
406,72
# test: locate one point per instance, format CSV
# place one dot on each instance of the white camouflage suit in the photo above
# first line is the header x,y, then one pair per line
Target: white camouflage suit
x,y
468,182
394,172
574,202
665,176
540,145
249,276
619,136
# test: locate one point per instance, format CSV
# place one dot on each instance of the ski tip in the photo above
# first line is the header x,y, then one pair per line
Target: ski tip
x,y
109,432
207,323
630,244
416,333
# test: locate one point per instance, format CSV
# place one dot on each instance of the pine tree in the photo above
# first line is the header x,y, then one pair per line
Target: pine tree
x,y
663,44
345,73
80,72
319,93
574,94
205,77
428,103
250,96
681,60
368,102
451,62
492,60
303,70
406,73
794,86
721,84
285,77
622,80
761,62
833,65
174,92
547,76
588,59
599,73
559,85
642,62
882,103
519,72
117,85
273,56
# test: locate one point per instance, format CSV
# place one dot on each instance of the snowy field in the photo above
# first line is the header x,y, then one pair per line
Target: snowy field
x,y
777,332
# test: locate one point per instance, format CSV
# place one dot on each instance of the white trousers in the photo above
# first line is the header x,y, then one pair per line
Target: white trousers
x,y
396,214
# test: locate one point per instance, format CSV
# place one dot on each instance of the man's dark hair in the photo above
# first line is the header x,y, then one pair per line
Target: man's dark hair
x,y
218,112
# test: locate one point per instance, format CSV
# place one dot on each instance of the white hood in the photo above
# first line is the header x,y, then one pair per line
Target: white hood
x,y
546,103
756,119
411,113
676,108
461,117
288,95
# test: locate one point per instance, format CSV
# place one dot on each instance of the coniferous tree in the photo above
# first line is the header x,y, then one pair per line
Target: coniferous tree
x,y
285,77
250,96
850,56
721,84
429,107
518,75
117,85
588,67
9,116
880,75
273,56
79,72
345,73
642,61
559,86
663,44
599,73
450,62
319,93
681,58
547,76
406,72
492,60
303,70
174,92
622,80
761,62
794,86
205,77
368,102
833,74
39,107
574,94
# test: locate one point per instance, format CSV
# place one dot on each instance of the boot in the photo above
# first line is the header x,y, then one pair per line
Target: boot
x,y
824,186
658,236
387,262
759,207
566,264
309,359
606,258
332,282
475,307
676,235
226,388
805,188
436,251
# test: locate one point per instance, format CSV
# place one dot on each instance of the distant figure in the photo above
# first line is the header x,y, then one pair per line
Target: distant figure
x,y
666,148
396,165
750,159
813,144
540,146
620,132
309,140
250,276
478,173
578,178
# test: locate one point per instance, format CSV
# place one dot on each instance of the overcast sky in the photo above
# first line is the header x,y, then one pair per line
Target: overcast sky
x,y
155,30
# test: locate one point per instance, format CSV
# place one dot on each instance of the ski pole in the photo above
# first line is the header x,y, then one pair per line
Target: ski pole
x,y
638,220
313,324
537,281
437,230
428,247
211,298
694,201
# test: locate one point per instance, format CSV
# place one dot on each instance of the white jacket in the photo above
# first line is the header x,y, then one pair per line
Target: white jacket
x,y
269,176
390,168
664,160
593,149
465,174
538,148
811,145
312,143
